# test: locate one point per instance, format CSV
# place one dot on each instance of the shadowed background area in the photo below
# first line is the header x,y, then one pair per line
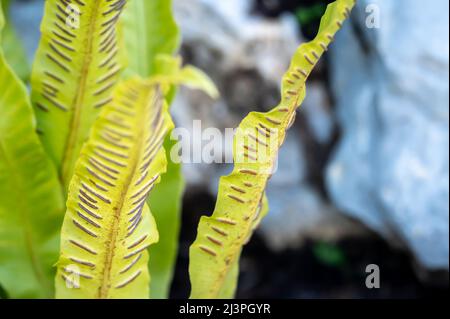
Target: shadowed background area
x,y
363,176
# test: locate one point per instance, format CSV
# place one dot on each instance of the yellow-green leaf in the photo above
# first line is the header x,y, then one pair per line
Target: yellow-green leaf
x,y
108,225
2,18
257,141
169,71
230,282
168,219
151,38
76,67
150,30
31,201
13,48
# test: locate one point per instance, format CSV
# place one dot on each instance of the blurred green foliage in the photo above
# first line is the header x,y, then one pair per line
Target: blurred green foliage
x,y
309,17
3,293
13,48
329,254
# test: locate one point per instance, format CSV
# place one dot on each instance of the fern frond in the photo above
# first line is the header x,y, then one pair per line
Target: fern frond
x,y
76,67
240,201
230,282
151,39
108,225
31,201
150,30
13,48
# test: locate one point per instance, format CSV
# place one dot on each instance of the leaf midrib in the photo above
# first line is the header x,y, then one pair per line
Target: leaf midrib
x,y
112,236
294,105
77,104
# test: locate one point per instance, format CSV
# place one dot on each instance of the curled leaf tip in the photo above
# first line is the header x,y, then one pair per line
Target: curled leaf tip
x,y
169,71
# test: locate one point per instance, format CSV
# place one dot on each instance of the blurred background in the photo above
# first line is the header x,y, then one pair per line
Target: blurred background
x,y
363,177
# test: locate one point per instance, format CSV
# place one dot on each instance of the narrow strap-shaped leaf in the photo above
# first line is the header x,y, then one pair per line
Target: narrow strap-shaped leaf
x,y
151,38
108,225
230,282
13,48
169,73
2,18
31,201
76,67
150,30
240,198
168,219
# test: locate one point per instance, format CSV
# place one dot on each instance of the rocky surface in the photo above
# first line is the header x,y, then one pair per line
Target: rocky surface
x,y
391,84
298,211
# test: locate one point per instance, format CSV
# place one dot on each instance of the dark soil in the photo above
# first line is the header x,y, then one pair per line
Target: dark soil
x,y
301,273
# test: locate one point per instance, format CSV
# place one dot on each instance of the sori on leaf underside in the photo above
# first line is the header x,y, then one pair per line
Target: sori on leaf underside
x,y
108,225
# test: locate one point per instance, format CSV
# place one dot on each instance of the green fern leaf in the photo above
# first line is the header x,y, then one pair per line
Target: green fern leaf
x,y
151,38
240,201
76,67
13,48
31,201
150,30
108,225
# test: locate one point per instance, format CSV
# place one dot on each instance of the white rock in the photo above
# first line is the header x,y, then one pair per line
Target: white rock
x,y
391,168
